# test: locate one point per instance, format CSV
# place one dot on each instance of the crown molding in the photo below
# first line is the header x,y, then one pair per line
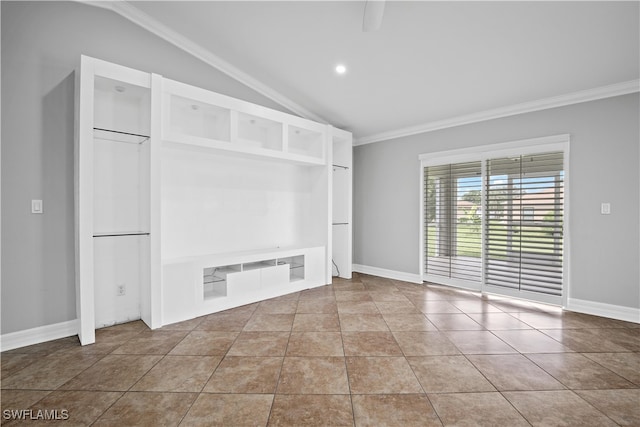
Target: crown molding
x,y
608,91
143,20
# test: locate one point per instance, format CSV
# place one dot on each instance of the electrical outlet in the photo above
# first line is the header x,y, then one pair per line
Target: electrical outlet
x,y
122,290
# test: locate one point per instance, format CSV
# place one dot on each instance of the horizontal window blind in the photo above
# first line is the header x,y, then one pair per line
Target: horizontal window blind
x,y
524,224
453,202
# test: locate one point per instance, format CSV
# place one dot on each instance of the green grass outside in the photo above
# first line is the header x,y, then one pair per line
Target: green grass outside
x,y
468,242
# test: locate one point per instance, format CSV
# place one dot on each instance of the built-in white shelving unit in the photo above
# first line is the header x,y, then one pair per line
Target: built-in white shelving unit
x,y
341,224
191,202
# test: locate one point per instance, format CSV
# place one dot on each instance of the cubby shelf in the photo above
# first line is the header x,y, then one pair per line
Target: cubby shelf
x,y
204,144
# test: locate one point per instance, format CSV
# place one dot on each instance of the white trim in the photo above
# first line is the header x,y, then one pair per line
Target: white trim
x,y
138,17
389,274
504,149
617,89
38,335
628,314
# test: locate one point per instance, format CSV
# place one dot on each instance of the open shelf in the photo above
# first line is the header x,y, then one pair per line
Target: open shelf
x,y
306,142
199,119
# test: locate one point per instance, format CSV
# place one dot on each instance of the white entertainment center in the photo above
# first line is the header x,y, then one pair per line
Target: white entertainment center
x,y
190,202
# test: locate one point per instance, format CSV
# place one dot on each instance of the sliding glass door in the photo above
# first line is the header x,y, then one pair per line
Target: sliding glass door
x,y
453,208
496,224
524,228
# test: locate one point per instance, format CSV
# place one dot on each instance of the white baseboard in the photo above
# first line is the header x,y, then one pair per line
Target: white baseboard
x,y
38,335
628,314
389,274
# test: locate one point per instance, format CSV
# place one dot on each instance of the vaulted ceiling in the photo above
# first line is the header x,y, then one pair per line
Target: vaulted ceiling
x,y
429,63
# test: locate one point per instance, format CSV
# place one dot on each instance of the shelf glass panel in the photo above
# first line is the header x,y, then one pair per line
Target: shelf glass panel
x,y
121,234
119,136
258,132
194,118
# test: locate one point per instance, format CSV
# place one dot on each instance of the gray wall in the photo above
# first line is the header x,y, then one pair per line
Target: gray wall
x,y
604,167
41,45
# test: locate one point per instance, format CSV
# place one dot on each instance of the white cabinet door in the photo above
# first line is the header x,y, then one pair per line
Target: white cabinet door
x,y
243,282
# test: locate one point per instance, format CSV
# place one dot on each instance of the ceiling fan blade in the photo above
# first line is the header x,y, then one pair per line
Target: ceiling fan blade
x,y
373,12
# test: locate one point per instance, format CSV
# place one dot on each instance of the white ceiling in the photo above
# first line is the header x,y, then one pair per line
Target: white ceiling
x,y
430,61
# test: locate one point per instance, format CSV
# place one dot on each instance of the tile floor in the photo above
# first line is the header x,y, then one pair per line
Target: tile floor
x,y
365,352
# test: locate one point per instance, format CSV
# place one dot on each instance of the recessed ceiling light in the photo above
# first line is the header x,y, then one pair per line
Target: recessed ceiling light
x,y
341,69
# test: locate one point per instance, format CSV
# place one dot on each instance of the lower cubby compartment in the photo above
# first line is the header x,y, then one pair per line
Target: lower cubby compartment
x,y
197,286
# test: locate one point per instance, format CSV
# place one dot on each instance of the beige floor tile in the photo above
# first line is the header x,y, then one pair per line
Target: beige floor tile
x,y
575,371
179,374
395,296
274,306
151,342
260,344
311,410
347,286
555,320
315,344
204,343
394,410
316,322
448,374
381,375
363,322
82,407
476,409
313,375
226,322
478,342
147,409
454,322
531,341
367,307
399,307
357,295
187,325
353,296
622,406
51,371
416,322
584,340
229,410
425,343
436,307
370,344
509,372
557,408
320,305
115,372
627,365
326,291
270,322
20,399
498,321
245,375
283,363
474,306
12,363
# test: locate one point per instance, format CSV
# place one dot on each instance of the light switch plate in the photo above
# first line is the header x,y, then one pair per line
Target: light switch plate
x,y
605,208
36,206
